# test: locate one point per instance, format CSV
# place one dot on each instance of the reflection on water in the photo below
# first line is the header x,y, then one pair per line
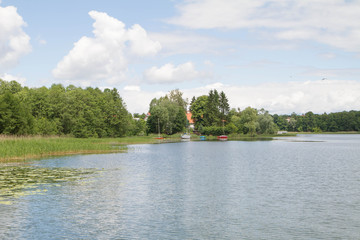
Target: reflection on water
x,y
303,189
16,181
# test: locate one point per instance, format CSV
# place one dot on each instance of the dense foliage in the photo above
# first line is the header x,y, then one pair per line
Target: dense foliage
x,y
92,112
213,116
64,111
310,122
167,114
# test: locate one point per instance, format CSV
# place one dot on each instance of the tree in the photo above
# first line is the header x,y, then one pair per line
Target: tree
x,y
15,117
281,121
223,106
197,109
176,96
266,123
167,114
12,87
211,114
248,121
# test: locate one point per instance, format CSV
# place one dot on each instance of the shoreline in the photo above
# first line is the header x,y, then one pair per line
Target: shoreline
x,y
23,148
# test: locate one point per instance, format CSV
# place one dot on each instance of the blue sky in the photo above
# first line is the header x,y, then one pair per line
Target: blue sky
x,y
285,56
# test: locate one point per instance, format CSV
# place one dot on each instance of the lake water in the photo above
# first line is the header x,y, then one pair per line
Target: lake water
x,y
305,187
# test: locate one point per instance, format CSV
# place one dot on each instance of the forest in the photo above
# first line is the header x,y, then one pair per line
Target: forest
x,y
69,111
91,112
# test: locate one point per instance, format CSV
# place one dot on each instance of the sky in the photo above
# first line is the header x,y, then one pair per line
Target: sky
x,y
284,56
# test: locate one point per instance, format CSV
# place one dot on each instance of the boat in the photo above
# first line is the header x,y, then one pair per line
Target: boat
x,y
202,138
222,138
185,136
159,136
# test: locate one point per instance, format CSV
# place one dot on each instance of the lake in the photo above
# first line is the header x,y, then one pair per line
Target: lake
x,y
305,187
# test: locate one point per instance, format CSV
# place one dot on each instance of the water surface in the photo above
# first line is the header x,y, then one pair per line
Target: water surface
x,y
306,187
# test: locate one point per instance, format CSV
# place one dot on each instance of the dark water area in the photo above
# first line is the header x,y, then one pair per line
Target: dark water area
x,y
305,187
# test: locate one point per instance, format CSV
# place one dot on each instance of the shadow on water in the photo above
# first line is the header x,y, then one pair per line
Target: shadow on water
x,y
17,181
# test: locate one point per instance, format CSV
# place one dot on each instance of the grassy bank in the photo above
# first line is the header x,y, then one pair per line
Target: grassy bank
x,y
22,148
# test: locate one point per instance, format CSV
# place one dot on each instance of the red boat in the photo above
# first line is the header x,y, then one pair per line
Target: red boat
x,y
222,137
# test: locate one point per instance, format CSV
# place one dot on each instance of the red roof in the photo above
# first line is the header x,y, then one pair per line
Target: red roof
x,y
188,116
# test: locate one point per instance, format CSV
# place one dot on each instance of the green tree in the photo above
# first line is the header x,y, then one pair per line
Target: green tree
x,y
266,123
15,117
223,106
176,96
197,109
248,121
168,114
212,115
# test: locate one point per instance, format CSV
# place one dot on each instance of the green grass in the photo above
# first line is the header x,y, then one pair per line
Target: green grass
x,y
18,148
22,148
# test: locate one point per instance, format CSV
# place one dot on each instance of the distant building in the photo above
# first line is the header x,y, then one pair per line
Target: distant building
x,y
191,121
147,116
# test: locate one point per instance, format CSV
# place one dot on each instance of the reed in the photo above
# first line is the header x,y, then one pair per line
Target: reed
x,y
22,148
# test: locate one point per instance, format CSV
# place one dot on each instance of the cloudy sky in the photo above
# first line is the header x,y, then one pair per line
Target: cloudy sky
x,y
285,56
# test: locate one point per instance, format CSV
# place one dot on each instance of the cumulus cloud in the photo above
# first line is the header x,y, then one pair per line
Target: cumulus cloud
x,y
335,22
9,77
281,98
14,42
139,101
105,55
132,88
285,98
170,73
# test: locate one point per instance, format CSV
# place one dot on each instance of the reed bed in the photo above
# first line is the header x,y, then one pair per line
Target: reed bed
x,y
22,148
14,148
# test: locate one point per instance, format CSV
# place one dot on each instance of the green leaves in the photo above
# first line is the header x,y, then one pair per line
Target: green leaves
x,y
57,111
168,114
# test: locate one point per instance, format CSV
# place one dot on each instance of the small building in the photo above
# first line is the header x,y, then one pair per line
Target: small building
x,y
191,121
147,116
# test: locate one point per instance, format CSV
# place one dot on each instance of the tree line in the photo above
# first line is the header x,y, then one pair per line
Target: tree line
x,y
213,116
60,110
211,113
92,112
310,122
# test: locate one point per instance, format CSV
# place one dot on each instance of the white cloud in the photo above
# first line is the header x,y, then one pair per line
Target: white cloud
x,y
9,77
139,101
170,73
281,98
132,88
105,56
285,98
332,22
190,43
14,42
140,43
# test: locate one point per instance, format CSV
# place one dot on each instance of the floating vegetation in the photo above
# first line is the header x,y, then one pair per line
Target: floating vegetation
x,y
17,181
